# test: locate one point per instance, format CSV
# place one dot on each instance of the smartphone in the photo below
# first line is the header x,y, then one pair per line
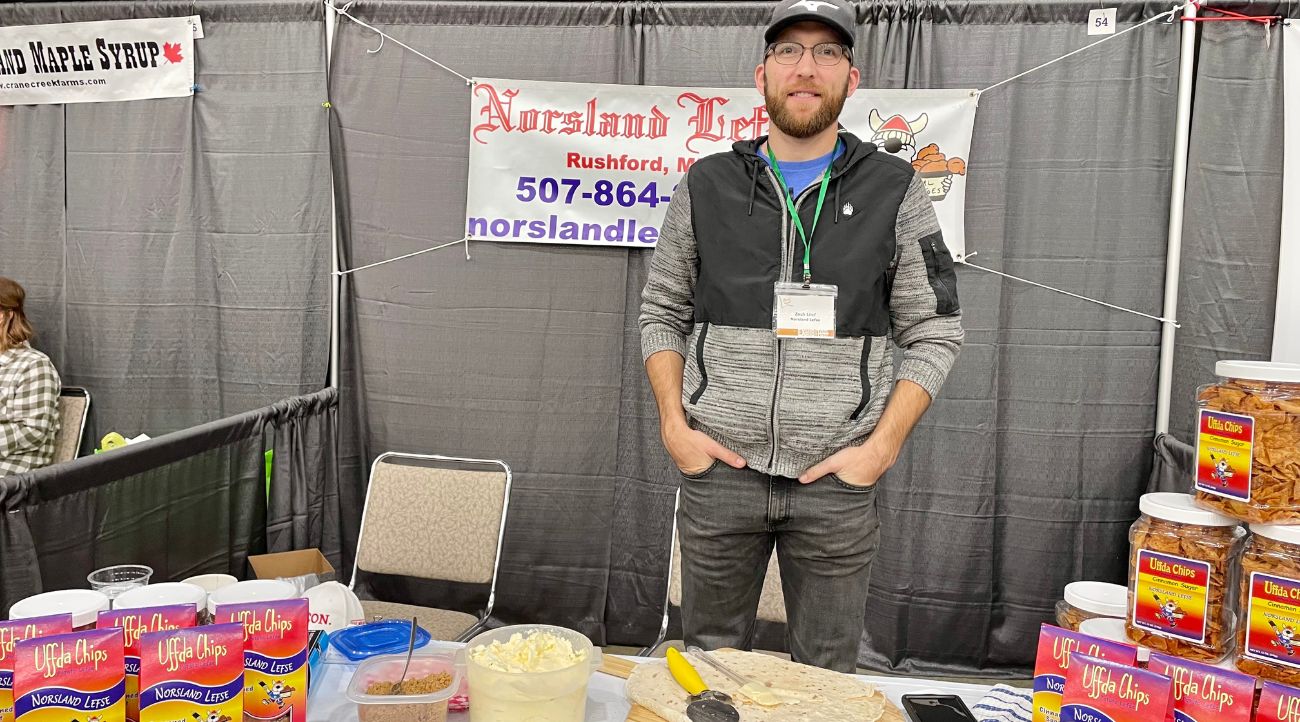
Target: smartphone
x,y
936,708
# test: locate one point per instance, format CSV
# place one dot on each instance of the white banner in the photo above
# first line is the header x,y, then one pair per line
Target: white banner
x,y
97,61
596,164
1286,324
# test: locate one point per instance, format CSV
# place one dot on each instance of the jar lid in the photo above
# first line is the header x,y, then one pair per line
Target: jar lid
x,y
1176,507
1108,600
255,590
1277,532
1107,628
83,604
1259,370
160,595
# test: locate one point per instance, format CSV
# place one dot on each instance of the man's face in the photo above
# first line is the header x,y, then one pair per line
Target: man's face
x,y
805,98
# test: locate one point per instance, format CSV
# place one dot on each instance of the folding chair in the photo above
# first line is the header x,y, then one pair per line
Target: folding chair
x,y
439,518
771,602
74,407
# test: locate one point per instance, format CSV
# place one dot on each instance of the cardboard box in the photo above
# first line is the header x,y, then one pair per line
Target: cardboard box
x,y
289,565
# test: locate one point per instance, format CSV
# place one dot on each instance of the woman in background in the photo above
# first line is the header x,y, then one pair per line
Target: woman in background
x,y
29,390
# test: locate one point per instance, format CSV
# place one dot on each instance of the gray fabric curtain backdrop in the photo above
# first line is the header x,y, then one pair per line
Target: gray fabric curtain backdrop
x,y
303,505
176,252
1023,477
1233,228
190,502
1174,465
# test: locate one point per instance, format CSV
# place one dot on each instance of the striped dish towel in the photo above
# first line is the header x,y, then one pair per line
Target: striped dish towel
x,y
1005,704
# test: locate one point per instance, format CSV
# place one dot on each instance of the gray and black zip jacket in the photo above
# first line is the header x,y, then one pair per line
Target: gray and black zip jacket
x,y
784,405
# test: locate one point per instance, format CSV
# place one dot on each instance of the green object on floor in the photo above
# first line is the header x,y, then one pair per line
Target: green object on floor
x,y
270,458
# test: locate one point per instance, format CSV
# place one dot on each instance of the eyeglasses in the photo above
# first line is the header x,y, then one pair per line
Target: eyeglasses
x,y
790,53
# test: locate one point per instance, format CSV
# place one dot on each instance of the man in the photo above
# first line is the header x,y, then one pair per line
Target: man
x,y
782,270
29,390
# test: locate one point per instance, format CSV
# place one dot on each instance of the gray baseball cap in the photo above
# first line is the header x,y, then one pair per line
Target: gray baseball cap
x,y
838,14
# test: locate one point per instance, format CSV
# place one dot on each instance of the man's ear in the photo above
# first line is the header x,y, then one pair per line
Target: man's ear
x,y
855,77
760,79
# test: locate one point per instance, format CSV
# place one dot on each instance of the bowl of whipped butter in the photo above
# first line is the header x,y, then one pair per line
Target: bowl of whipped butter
x,y
534,672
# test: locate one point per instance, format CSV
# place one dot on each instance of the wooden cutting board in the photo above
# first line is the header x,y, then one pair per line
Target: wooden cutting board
x,y
622,668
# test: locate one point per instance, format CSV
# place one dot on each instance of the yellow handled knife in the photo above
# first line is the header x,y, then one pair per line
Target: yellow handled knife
x,y
705,704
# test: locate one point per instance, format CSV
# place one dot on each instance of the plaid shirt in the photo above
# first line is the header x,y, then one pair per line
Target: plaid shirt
x,y
29,410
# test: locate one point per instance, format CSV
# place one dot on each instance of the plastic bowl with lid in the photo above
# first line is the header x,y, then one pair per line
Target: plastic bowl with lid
x,y
1091,600
252,591
1113,630
419,702
83,604
165,594
557,695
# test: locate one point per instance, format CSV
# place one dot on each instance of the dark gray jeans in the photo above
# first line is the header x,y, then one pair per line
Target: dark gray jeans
x,y
826,534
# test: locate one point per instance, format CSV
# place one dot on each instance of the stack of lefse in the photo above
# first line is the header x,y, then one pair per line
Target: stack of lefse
x,y
1203,588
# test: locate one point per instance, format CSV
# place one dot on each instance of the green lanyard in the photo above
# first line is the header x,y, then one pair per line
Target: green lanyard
x,y
817,214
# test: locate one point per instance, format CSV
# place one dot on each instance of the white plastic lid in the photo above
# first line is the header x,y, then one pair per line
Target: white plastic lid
x,y
1176,507
159,595
256,590
1278,532
1259,371
1108,600
83,604
1105,628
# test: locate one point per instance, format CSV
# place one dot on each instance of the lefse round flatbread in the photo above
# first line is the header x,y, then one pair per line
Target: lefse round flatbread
x,y
809,694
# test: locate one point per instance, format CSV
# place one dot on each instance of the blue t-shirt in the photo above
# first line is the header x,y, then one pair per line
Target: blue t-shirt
x,y
803,173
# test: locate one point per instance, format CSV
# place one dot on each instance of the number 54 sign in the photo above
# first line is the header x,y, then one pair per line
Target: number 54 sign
x,y
1101,21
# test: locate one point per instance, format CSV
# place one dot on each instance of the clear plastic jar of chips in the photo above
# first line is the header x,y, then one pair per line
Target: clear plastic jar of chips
x,y
1090,600
1268,641
1248,442
1182,578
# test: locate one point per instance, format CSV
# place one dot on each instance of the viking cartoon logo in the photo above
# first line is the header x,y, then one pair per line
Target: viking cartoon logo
x,y
896,128
810,5
213,716
1169,611
935,168
277,693
1285,638
1221,473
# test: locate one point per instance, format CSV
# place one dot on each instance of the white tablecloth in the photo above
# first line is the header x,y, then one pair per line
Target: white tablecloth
x,y
606,701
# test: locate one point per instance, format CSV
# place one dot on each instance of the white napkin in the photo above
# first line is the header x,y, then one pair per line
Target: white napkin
x,y
1005,704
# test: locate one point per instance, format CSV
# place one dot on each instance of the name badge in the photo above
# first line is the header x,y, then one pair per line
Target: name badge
x,y
799,312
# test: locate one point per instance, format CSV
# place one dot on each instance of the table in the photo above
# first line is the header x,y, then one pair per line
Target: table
x,y
606,700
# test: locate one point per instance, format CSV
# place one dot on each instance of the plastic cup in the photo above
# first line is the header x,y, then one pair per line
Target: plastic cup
x,y
112,581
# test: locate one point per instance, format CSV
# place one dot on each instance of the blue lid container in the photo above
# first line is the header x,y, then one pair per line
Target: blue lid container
x,y
389,636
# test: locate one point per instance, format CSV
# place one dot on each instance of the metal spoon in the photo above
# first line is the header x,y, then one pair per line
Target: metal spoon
x,y
410,650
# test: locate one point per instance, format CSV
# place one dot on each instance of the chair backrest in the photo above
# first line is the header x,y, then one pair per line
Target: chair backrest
x,y
771,603
434,517
74,406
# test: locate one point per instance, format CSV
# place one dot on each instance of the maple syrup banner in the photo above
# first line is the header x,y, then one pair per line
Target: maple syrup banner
x,y
97,61
1286,324
588,164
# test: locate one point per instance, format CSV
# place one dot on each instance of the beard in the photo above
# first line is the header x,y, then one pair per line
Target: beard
x,y
792,125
